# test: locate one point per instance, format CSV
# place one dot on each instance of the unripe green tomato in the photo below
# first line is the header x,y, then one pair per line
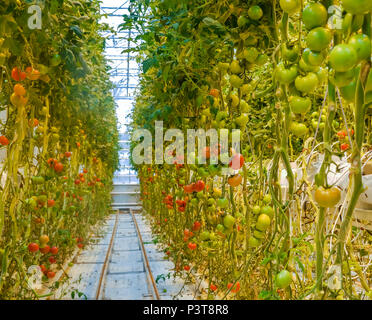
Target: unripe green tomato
x,y
256,209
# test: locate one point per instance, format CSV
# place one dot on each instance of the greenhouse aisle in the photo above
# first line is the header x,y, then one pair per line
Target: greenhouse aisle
x,y
126,277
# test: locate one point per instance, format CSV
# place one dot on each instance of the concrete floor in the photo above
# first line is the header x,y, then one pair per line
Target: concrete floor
x,y
126,278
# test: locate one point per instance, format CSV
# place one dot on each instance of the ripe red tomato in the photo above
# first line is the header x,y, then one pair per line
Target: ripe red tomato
x,y
43,268
51,274
51,203
236,162
186,268
213,287
32,74
54,250
18,75
68,154
196,226
58,167
236,287
33,247
199,186
188,188
214,92
4,140
45,249
52,260
80,245
192,246
344,146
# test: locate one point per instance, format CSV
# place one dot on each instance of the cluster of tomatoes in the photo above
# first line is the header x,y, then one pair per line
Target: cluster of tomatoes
x,y
47,251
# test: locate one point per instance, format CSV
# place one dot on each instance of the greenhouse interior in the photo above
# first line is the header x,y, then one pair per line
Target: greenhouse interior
x,y
185,150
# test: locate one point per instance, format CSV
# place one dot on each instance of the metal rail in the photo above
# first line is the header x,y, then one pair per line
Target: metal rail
x,y
145,259
107,259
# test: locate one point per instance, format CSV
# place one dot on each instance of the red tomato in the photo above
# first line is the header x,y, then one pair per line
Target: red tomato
x,y
188,188
52,260
45,249
192,246
236,288
196,226
199,186
77,181
54,250
78,144
68,154
236,162
214,92
58,167
51,203
43,268
33,247
344,146
51,274
186,268
80,245
213,287
18,75
4,140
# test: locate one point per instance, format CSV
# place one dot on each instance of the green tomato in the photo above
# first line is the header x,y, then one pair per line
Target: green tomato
x,y
242,120
283,279
38,180
290,53
204,236
236,81
244,107
267,199
318,39
307,67
313,58
261,59
341,79
263,222
300,104
314,15
298,129
250,54
258,234
307,83
253,242
220,228
235,67
362,46
286,76
255,12
256,209
322,75
268,210
223,203
343,57
55,60
242,21
228,221
290,6
348,91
